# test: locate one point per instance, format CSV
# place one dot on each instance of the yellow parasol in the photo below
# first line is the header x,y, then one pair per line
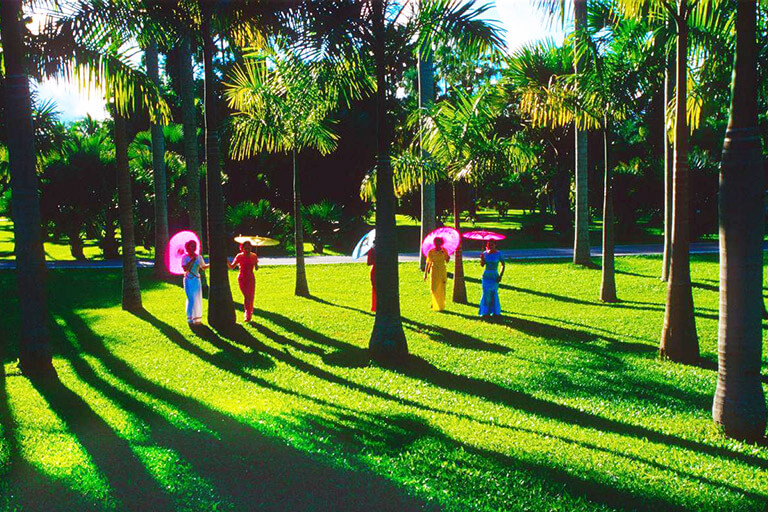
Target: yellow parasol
x,y
257,241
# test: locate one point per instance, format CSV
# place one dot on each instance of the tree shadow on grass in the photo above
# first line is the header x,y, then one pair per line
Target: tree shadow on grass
x,y
418,368
128,477
394,434
246,468
22,486
437,333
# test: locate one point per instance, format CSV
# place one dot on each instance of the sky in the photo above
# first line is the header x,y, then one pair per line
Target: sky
x,y
523,23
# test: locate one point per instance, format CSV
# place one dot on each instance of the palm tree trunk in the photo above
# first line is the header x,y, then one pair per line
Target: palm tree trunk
x,y
221,309
669,91
608,284
739,405
459,286
131,290
679,341
581,250
189,122
426,98
34,347
302,288
387,343
159,181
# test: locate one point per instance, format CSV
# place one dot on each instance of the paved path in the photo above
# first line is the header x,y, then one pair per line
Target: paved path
x,y
512,254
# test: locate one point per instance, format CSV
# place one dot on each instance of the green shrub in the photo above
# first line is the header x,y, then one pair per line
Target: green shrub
x,y
261,218
322,222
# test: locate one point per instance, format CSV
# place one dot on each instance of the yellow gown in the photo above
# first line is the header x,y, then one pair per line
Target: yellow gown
x,y
437,259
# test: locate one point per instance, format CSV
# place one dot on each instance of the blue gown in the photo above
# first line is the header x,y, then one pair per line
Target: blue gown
x,y
489,303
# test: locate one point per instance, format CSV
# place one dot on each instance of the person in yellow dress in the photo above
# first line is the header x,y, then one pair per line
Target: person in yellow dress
x,y
436,268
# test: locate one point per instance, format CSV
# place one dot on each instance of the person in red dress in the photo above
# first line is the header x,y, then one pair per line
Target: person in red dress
x,y
248,262
372,264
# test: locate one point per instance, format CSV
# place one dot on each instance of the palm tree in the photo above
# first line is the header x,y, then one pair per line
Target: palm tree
x,y
669,90
581,251
460,25
387,343
607,92
282,104
189,121
158,172
131,290
739,404
34,348
221,309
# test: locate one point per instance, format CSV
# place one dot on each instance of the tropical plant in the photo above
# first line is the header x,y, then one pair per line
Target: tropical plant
x,y
282,103
323,222
260,218
34,349
679,340
739,404
160,180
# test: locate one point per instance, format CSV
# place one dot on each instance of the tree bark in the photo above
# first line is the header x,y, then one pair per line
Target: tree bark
x,y
159,181
34,347
581,252
302,288
387,343
426,98
459,285
189,122
131,290
679,341
221,309
608,284
739,404
669,91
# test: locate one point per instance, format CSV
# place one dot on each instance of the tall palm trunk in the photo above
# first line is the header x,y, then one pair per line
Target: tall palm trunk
x,y
581,233
459,286
189,122
159,180
221,309
131,290
608,284
669,91
302,288
34,347
426,98
739,405
679,341
387,343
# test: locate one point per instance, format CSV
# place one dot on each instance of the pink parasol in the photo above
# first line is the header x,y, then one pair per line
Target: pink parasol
x,y
451,240
484,235
176,250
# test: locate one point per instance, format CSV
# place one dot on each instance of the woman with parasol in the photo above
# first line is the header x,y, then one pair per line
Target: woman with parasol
x,y
192,263
247,261
491,259
437,258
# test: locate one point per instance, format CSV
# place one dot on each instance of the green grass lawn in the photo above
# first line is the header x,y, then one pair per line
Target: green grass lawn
x,y
562,405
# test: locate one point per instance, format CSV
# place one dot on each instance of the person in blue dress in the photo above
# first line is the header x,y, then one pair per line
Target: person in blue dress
x,y
491,259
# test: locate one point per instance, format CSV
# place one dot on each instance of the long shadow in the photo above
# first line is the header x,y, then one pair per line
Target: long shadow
x,y
395,433
572,300
437,333
22,486
419,368
128,477
696,284
248,468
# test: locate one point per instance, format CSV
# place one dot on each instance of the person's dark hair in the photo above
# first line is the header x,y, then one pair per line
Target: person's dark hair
x,y
439,242
246,246
191,246
490,244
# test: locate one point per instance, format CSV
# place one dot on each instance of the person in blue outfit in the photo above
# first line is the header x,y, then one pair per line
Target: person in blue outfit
x,y
491,259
